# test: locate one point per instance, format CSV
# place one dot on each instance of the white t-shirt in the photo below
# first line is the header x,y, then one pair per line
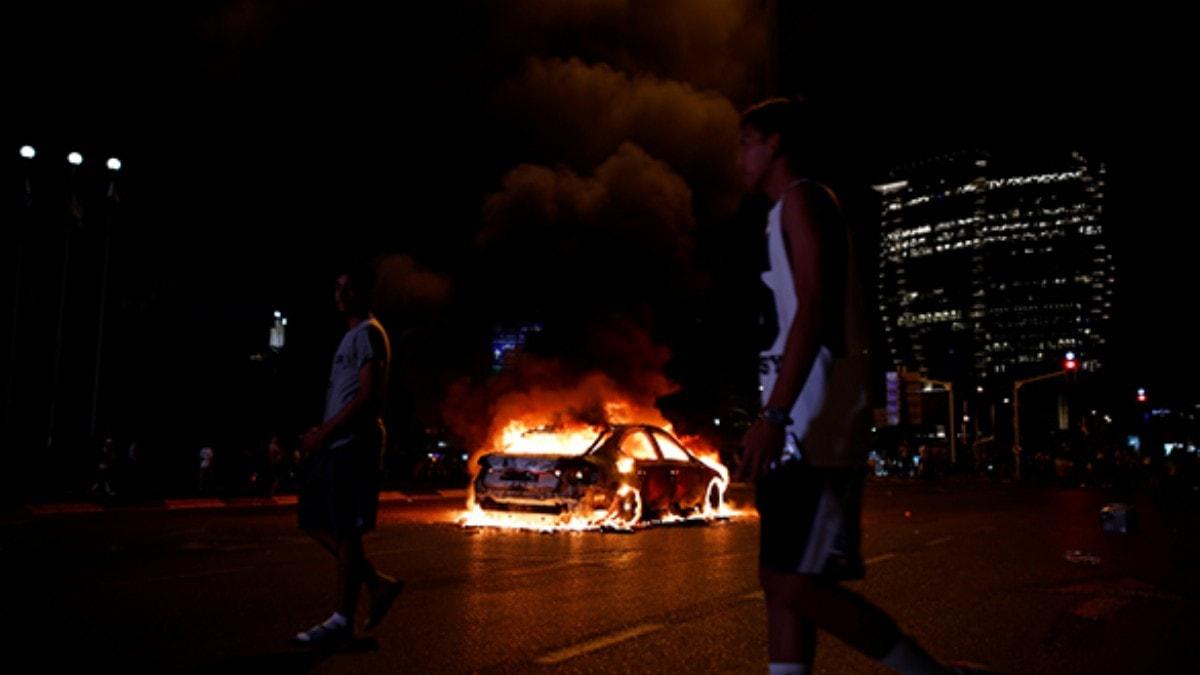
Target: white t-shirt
x,y
364,343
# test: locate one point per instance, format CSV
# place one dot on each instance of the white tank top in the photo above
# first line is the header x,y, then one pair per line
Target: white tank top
x,y
831,415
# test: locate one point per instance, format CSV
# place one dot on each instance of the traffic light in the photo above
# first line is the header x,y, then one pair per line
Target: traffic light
x,y
1141,395
1069,363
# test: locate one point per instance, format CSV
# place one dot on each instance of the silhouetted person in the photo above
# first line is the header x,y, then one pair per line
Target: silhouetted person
x,y
204,479
107,457
340,495
808,449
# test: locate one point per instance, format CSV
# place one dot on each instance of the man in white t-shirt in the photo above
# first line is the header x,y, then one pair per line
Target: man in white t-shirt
x,y
339,495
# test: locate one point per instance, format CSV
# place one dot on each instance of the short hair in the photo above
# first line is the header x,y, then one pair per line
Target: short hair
x,y
806,132
362,277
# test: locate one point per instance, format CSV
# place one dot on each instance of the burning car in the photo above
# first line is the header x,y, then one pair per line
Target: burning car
x,y
611,475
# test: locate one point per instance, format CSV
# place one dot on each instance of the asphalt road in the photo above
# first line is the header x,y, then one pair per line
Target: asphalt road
x,y
975,571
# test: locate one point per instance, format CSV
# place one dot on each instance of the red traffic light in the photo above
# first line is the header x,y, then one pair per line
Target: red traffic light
x,y
1070,365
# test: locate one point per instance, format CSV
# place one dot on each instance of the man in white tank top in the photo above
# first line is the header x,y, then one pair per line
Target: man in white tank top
x,y
807,450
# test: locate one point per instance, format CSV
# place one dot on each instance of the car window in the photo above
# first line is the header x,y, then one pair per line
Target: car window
x,y
670,450
637,445
599,442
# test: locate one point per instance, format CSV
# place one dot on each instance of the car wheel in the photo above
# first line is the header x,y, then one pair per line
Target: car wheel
x,y
714,498
629,510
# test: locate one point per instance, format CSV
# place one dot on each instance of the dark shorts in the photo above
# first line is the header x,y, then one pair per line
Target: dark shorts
x,y
339,492
810,520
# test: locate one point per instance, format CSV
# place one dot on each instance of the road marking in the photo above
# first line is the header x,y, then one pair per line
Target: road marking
x,y
943,540
756,595
879,558
582,648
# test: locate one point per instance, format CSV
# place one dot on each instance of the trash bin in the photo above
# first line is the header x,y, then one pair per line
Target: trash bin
x,y
1117,518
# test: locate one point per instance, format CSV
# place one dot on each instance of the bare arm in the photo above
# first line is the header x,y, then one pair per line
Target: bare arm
x,y
805,225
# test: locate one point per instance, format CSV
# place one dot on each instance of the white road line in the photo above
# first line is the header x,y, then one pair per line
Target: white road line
x,y
582,648
879,558
943,540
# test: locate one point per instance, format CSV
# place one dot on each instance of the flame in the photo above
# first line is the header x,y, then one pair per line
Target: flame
x,y
555,432
477,517
608,517
518,439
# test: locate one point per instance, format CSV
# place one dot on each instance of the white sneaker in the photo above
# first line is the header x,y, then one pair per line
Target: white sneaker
x,y
324,634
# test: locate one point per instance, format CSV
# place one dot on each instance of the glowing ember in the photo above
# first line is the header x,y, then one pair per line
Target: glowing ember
x,y
477,517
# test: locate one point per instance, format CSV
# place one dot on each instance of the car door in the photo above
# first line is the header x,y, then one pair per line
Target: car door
x,y
654,475
686,479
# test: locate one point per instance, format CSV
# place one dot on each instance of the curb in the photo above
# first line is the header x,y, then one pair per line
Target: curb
x,y
67,508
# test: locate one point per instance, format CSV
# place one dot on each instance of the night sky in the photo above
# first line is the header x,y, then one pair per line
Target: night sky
x,y
494,151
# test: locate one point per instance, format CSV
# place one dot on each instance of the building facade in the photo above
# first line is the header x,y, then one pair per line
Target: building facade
x,y
992,268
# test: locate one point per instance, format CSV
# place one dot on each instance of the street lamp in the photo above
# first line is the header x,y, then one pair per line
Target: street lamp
x,y
74,159
28,153
114,165
278,331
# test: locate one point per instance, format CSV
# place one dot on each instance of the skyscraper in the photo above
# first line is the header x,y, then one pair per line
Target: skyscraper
x,y
994,266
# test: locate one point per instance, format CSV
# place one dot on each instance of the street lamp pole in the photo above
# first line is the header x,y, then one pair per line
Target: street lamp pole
x,y
114,165
27,154
1016,403
76,211
949,387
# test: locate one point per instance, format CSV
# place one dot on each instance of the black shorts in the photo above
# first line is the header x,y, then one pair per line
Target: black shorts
x,y
339,492
810,520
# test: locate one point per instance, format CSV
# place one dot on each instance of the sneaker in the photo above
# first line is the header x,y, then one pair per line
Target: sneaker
x,y
382,599
324,635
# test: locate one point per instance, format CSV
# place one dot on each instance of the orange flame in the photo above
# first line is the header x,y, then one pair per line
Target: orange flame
x,y
545,425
